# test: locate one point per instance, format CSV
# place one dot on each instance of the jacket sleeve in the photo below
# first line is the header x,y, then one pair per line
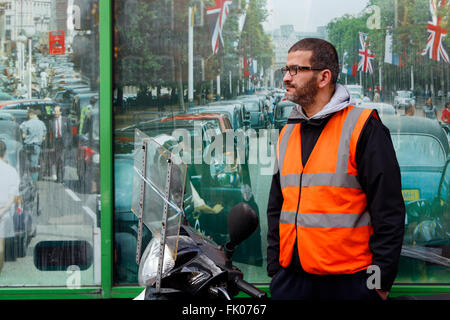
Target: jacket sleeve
x,y
273,217
379,176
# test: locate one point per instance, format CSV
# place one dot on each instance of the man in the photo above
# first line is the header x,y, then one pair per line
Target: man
x,y
429,109
445,117
60,135
33,132
269,106
9,190
335,206
376,97
85,113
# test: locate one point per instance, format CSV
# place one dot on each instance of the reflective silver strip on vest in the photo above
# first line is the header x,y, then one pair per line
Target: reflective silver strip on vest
x,y
320,179
284,142
287,217
338,179
326,220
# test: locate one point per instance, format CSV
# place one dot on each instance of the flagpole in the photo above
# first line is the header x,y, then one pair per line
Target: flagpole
x,y
218,87
191,58
380,77
231,84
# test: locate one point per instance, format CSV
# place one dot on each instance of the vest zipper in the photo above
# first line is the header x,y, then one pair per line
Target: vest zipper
x,y
298,204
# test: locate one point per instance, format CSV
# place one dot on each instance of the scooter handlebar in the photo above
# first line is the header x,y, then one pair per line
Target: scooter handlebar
x,y
250,289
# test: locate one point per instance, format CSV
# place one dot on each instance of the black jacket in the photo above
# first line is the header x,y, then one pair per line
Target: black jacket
x,y
66,131
379,176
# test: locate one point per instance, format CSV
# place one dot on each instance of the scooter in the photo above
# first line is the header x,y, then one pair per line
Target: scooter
x,y
202,269
179,262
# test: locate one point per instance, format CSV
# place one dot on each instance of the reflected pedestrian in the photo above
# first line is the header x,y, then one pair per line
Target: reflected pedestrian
x,y
33,132
429,109
85,113
9,190
60,135
376,97
446,114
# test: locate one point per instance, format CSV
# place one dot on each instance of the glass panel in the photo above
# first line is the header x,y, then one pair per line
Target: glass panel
x,y
152,190
49,186
415,150
170,69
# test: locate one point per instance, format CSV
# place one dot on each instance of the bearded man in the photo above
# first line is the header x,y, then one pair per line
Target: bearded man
x,y
336,212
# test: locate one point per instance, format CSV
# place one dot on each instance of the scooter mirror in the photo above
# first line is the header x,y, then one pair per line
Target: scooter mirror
x,y
242,222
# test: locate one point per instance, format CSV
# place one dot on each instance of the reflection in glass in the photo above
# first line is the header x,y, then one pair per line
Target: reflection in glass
x,y
164,81
48,64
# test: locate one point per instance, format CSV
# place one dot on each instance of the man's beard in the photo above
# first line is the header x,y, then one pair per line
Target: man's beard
x,y
304,96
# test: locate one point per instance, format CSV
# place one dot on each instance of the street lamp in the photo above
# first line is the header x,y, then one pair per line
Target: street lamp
x,y
30,33
21,40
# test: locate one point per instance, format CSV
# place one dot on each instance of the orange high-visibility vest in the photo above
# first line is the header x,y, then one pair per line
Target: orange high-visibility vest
x,y
324,207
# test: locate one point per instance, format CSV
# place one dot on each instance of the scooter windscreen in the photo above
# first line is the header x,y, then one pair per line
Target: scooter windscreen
x,y
158,188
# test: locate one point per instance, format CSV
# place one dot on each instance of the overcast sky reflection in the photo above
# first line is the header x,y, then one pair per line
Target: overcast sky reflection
x,y
307,15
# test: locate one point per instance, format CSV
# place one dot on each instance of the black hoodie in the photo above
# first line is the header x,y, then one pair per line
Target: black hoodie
x,y
379,177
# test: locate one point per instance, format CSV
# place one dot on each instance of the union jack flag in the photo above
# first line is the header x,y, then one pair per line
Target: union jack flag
x,y
435,46
216,19
365,55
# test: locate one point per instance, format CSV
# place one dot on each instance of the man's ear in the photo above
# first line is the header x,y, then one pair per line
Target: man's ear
x,y
324,78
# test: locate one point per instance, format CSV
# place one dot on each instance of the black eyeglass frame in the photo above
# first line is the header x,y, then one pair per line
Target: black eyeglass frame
x,y
293,70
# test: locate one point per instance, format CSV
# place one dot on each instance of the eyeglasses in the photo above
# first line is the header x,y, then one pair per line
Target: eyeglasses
x,y
294,69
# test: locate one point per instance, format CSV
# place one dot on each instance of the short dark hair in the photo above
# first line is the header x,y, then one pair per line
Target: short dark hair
x,y
2,148
409,107
324,55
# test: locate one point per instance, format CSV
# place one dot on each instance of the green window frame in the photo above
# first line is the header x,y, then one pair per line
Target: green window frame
x,y
107,289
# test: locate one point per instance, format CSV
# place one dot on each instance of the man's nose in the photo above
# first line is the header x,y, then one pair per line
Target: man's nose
x,y
287,77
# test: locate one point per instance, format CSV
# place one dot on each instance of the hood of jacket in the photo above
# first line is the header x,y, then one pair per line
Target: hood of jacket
x,y
340,99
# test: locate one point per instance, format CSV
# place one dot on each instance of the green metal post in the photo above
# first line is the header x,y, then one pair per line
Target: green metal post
x,y
106,150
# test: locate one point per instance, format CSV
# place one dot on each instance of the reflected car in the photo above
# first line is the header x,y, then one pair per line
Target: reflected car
x,y
446,128
65,96
356,98
216,182
24,225
356,93
18,116
44,107
255,106
6,116
11,135
5,96
382,108
403,98
235,112
244,115
422,150
281,113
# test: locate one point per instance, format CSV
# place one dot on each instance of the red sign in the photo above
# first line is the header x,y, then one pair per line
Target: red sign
x,y
56,42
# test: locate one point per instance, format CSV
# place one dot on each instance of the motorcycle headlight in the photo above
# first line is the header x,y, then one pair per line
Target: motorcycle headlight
x,y
148,268
96,158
